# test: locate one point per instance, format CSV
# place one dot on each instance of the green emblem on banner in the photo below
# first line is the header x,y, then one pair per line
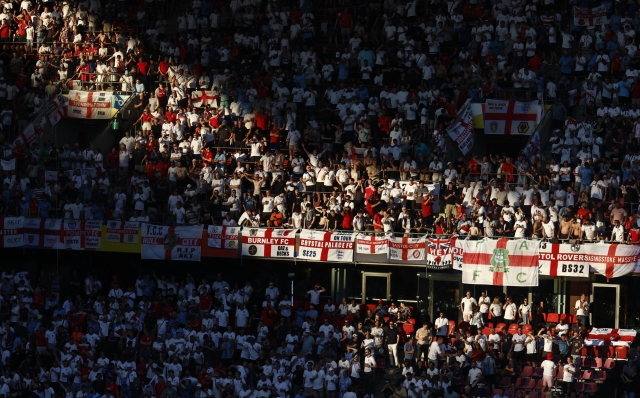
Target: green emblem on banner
x,y
500,260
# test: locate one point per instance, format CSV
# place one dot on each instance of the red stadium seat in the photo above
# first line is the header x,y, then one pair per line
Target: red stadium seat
x,y
608,364
621,352
527,371
408,328
539,385
590,388
600,376
587,375
552,317
529,384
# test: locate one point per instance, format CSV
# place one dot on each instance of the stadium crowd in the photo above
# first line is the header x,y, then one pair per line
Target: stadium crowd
x,y
329,116
167,336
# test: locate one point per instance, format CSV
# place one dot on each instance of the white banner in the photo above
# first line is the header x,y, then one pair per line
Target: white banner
x,y
563,259
41,232
441,252
28,136
590,17
122,231
462,132
407,249
500,262
532,147
89,104
12,232
268,242
171,243
222,237
510,117
366,244
611,261
326,246
81,235
200,98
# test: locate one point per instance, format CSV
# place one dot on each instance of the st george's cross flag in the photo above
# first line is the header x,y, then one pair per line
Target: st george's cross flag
x,y
371,244
171,243
500,262
220,237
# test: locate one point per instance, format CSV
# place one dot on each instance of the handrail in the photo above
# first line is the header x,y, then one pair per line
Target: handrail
x,y
92,81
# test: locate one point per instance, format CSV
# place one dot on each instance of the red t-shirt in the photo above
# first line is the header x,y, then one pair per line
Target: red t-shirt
x,y
143,67
427,208
345,20
634,235
205,301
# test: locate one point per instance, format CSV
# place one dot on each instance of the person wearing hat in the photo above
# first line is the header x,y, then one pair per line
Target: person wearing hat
x,y
548,369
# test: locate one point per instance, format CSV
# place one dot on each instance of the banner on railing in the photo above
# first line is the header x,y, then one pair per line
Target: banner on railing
x,y
442,253
326,246
407,249
222,237
12,232
590,17
122,231
532,147
268,242
371,244
611,261
500,262
171,243
564,259
89,104
42,232
81,235
54,110
462,130
510,117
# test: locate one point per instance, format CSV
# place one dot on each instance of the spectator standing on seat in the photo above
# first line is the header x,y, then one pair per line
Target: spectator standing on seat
x,y
582,310
466,306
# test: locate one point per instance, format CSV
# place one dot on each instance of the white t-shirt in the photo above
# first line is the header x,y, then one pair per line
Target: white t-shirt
x,y
510,311
547,367
467,304
568,377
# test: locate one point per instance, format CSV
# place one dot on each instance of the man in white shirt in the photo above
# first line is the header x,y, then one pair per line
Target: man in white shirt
x,y
548,367
466,306
441,325
484,302
582,310
510,311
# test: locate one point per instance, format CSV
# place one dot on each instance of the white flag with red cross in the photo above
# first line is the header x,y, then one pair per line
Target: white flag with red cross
x,y
510,117
613,261
200,98
366,244
222,237
268,242
171,243
326,246
407,249
500,262
12,232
